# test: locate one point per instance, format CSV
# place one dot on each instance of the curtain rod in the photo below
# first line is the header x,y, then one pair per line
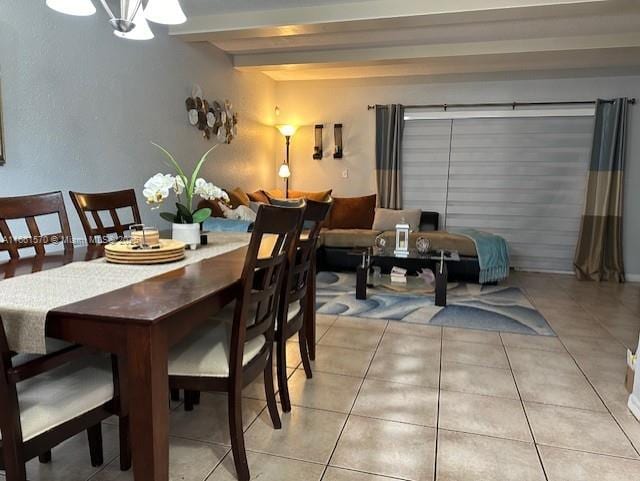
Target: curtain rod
x,y
513,105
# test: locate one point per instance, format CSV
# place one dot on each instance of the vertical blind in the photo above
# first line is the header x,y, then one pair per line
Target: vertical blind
x,y
521,178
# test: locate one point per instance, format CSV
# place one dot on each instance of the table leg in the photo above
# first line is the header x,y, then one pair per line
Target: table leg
x,y
310,310
441,284
361,282
147,375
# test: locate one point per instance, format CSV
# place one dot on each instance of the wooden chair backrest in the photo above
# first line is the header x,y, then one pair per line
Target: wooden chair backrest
x,y
298,272
93,204
29,207
272,245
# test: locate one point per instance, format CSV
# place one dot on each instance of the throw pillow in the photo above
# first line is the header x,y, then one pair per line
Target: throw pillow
x,y
321,196
238,197
275,193
386,219
214,205
242,212
258,196
352,212
286,202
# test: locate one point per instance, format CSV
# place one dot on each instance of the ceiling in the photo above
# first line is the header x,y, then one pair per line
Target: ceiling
x,y
328,39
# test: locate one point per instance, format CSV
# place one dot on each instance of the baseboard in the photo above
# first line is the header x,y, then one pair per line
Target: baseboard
x,y
632,277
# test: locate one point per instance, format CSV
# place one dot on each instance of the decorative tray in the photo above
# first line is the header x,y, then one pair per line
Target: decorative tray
x,y
125,252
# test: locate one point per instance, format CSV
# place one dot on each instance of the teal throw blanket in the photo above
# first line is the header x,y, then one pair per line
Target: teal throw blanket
x,y
493,254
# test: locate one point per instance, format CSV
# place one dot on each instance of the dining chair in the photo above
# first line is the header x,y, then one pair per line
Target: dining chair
x,y
45,400
227,354
94,204
292,311
89,207
28,208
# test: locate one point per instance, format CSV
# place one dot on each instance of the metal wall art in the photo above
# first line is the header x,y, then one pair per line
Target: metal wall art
x,y
215,118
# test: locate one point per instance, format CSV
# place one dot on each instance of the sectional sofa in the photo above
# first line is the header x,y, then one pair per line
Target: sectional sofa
x,y
350,226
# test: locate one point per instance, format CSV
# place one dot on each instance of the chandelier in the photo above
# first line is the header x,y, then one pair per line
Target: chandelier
x,y
131,23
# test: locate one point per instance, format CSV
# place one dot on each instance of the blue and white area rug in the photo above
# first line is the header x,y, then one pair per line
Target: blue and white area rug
x,y
471,306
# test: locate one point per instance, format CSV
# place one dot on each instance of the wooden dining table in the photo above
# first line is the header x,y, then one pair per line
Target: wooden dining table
x,y
139,323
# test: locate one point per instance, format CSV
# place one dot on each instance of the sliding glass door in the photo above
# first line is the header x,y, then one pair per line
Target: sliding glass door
x,y
521,178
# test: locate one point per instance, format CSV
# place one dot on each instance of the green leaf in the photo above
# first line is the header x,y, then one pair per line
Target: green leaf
x,y
174,162
184,213
169,217
194,176
201,214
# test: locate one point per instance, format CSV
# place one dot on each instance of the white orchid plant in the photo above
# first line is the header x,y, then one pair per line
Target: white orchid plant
x,y
158,188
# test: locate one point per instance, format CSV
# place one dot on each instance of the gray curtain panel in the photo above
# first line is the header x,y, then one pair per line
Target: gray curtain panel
x,y
389,131
599,250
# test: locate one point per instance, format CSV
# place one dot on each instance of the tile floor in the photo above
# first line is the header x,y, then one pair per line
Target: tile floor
x,y
393,401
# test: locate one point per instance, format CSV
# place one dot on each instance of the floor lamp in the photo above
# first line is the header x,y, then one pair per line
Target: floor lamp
x,y
285,172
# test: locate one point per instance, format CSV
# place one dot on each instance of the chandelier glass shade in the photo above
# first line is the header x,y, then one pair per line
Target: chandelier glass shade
x,y
130,19
80,8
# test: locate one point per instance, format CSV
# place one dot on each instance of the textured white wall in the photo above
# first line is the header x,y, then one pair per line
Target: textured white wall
x,y
80,106
328,102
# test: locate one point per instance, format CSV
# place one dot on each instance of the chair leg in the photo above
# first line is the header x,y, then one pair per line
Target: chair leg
x,y
271,396
175,395
304,353
125,444
14,469
196,398
283,386
237,435
45,458
94,434
189,400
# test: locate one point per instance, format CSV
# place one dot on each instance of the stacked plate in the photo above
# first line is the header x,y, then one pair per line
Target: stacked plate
x,y
168,250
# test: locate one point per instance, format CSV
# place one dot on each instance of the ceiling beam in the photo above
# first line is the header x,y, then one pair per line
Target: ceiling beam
x,y
319,18
355,56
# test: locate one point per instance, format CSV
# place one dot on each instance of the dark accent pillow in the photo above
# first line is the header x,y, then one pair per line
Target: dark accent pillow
x,y
258,196
216,211
352,212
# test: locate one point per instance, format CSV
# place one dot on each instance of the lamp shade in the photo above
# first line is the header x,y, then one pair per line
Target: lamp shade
x,y
80,8
141,31
166,12
287,130
284,171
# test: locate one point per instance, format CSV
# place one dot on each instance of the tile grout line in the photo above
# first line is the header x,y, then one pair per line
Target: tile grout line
x,y
526,416
355,399
435,451
601,399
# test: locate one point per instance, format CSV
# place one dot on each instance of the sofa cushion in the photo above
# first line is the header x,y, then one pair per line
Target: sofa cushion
x,y
386,219
321,196
258,196
439,240
347,237
352,212
238,197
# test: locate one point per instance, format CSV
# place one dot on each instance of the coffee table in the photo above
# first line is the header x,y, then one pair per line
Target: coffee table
x,y
413,261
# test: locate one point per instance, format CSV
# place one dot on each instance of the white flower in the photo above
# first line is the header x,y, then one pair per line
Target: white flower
x,y
178,185
157,188
208,191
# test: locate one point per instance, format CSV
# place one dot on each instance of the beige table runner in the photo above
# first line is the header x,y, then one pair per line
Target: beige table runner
x,y
26,300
